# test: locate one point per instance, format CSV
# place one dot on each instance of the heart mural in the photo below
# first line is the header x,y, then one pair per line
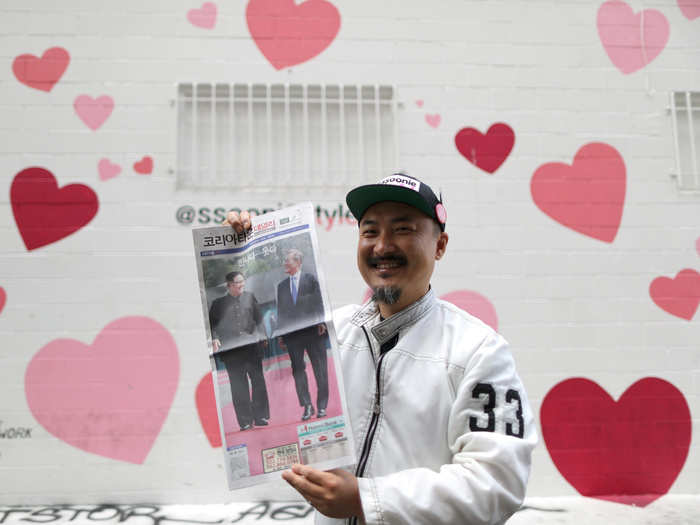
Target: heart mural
x,y
3,298
288,34
41,73
588,196
474,303
45,213
486,152
93,111
697,245
690,8
144,166
108,170
204,17
631,40
206,408
629,451
433,120
110,398
679,296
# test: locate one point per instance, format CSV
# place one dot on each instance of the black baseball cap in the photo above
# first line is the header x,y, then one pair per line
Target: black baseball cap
x,y
397,188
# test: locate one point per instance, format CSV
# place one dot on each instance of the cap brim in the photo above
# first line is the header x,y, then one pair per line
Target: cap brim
x,y
361,198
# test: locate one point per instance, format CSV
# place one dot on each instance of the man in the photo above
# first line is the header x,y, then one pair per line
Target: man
x,y
235,322
299,303
441,419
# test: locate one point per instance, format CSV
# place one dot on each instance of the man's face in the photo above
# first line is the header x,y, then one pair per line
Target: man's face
x,y
291,265
396,252
236,286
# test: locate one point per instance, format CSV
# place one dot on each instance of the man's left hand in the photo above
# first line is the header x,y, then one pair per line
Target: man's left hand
x,y
334,493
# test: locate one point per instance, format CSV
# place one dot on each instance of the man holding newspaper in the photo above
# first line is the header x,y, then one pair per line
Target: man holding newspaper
x,y
441,419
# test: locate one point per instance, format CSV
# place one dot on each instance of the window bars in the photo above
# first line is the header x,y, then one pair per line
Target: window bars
x,y
685,118
239,136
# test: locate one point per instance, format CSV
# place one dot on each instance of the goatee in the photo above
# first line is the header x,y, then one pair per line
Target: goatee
x,y
386,294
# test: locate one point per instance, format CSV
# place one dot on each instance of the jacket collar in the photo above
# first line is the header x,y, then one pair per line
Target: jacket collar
x,y
388,328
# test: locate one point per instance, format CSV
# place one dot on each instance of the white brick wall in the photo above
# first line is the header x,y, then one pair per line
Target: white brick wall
x,y
570,305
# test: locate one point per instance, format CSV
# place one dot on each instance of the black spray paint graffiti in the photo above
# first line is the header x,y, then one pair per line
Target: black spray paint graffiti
x,y
15,432
289,512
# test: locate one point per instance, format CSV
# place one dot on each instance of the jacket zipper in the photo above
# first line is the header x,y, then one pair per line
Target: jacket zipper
x,y
364,455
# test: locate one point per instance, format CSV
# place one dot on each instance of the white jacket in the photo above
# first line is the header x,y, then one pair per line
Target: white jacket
x,y
441,421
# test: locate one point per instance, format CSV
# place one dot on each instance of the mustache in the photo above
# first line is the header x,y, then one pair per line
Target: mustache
x,y
391,258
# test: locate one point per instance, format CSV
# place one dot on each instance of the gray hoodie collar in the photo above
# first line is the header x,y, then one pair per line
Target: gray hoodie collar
x,y
386,329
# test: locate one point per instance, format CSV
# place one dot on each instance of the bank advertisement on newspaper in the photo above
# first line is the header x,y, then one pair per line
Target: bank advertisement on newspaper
x,y
272,347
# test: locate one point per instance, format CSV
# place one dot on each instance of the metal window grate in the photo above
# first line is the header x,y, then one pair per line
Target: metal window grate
x,y
241,136
685,118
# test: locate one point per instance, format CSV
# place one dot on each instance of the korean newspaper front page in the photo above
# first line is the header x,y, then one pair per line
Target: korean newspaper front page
x,y
272,347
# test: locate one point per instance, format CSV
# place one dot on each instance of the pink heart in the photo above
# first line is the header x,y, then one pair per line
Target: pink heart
x,y
631,40
93,112
205,17
486,152
679,296
41,73
419,103
110,398
144,166
289,34
206,408
3,298
588,196
697,245
690,8
474,303
433,120
108,170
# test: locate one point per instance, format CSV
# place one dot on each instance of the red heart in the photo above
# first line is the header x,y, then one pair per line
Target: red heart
x,y
289,34
3,298
41,73
588,196
110,398
489,151
206,408
679,296
144,166
44,213
630,451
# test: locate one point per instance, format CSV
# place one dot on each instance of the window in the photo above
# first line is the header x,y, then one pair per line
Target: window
x,y
685,117
240,136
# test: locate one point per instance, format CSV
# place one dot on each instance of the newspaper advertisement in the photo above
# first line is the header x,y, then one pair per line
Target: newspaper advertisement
x,y
272,347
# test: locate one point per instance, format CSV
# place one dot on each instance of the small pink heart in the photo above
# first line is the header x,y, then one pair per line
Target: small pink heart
x,y
679,296
433,120
474,303
93,111
690,8
697,245
631,40
205,17
419,103
144,166
107,169
110,397
3,298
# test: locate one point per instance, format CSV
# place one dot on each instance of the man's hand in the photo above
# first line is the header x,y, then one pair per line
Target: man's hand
x,y
321,329
334,493
238,222
216,344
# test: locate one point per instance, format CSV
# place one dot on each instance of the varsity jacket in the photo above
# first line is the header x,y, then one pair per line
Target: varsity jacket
x,y
441,421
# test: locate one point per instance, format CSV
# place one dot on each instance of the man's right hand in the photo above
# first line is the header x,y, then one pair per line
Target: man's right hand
x,y
216,344
239,222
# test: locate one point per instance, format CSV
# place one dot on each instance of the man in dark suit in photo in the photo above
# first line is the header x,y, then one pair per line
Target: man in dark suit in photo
x,y
299,304
236,326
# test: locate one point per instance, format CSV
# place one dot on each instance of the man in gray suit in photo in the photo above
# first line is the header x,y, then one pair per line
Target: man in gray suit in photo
x,y
299,304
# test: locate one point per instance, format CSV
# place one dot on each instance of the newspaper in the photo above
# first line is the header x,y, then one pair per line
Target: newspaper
x,y
272,347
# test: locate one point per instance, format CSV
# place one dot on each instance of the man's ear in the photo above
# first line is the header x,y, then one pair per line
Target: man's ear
x,y
441,245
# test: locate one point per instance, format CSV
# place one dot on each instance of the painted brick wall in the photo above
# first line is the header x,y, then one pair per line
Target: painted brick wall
x,y
572,306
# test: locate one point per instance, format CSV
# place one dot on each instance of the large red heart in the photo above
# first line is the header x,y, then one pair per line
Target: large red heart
x,y
289,34
110,398
45,213
41,73
630,451
588,196
489,151
206,408
679,296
